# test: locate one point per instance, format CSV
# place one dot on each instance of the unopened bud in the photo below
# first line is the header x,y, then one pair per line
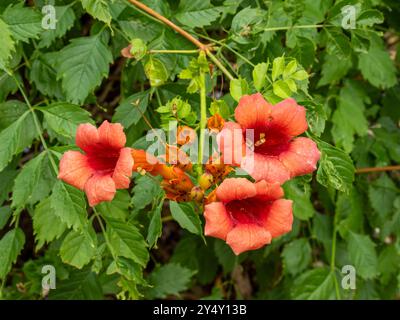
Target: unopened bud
x,y
206,180
196,194
138,48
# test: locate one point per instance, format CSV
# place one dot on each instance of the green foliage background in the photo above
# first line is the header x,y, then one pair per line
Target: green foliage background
x,y
53,80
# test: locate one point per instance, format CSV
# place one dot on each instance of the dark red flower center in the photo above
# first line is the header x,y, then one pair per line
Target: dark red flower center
x,y
269,140
103,160
247,211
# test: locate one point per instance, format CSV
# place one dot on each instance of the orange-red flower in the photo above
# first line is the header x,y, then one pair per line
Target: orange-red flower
x,y
185,135
277,155
248,215
105,165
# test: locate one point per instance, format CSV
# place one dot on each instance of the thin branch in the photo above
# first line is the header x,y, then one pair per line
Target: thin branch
x,y
378,169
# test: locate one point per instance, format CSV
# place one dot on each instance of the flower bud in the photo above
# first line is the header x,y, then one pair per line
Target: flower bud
x,y
138,48
196,194
206,180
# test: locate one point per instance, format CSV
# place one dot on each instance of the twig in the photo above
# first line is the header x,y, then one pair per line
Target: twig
x,y
378,169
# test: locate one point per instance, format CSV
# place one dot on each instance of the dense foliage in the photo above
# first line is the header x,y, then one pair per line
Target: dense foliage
x,y
144,246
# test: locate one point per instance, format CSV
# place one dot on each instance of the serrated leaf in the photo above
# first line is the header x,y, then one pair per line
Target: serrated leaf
x,y
130,111
382,193
170,279
296,256
7,44
98,9
25,23
338,44
80,285
281,89
69,205
278,66
63,118
196,13
155,226
10,247
184,214
370,17
363,255
127,241
225,256
315,284
46,225
335,169
5,214
300,194
333,69
16,137
79,247
65,20
238,88
34,182
144,191
118,208
156,72
316,116
82,65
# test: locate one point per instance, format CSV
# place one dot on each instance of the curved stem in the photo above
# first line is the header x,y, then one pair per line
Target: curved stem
x,y
173,51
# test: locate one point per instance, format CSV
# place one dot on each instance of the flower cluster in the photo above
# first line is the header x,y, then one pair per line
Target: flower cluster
x,y
247,215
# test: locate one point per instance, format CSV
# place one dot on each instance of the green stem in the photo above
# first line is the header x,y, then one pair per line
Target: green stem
x,y
333,255
203,120
306,26
174,51
220,65
37,124
103,230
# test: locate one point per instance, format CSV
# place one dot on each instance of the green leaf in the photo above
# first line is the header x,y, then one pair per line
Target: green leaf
x,y
11,246
44,75
156,72
238,88
290,69
315,284
187,218
34,182
335,169
80,285
82,65
128,269
7,177
146,189
7,83
225,256
196,13
127,241
260,75
65,20
388,263
370,17
63,118
363,255
5,214
118,208
382,193
377,67
334,69
316,116
46,225
16,137
69,205
79,247
98,9
296,256
278,66
130,111
281,89
170,279
25,23
338,44
300,194
155,227
7,44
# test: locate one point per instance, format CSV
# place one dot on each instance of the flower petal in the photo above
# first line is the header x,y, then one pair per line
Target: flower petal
x,y
263,167
235,189
112,135
278,219
246,237
218,222
289,117
253,111
231,143
301,157
123,170
100,188
74,169
87,137
268,191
